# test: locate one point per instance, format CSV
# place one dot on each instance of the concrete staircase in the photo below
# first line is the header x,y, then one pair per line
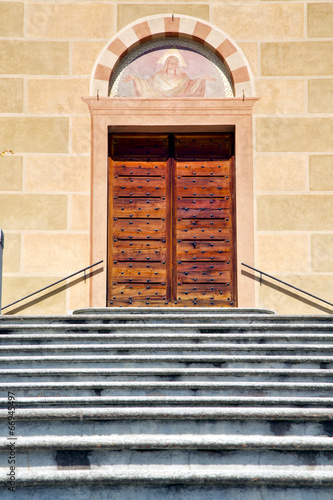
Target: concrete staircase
x,y
128,404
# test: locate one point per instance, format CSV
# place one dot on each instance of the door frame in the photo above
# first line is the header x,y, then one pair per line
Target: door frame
x,y
139,115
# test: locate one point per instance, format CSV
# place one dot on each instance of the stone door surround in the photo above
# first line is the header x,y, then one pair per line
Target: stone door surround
x,y
189,115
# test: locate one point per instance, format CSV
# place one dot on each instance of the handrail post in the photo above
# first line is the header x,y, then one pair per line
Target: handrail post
x,y
2,240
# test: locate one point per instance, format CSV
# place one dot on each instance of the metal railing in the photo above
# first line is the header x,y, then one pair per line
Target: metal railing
x,y
285,283
53,284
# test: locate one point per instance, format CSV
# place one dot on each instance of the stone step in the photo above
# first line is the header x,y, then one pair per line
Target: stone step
x,y
189,485
148,388
169,327
161,361
300,401
171,442
174,349
166,338
66,374
185,413
160,449
88,426
175,474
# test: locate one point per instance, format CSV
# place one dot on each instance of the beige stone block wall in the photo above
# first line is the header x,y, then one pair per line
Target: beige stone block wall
x,y
48,50
321,172
322,255
11,95
11,168
293,156
11,19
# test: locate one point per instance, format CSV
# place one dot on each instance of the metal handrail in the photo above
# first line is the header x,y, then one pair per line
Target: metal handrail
x,y
288,284
52,284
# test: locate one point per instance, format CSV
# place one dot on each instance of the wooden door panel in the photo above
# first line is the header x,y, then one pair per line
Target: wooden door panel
x,y
203,251
212,227
203,203
197,277
214,168
205,239
207,191
134,251
139,186
130,291
139,208
203,146
202,213
139,169
203,185
139,272
139,147
139,229
195,233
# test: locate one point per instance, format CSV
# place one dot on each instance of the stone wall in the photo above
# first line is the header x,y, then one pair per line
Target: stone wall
x,y
48,50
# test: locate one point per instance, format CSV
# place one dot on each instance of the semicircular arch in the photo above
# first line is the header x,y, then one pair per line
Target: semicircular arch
x,y
167,25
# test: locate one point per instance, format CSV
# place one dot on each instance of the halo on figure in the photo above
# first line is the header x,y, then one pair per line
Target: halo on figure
x,y
175,53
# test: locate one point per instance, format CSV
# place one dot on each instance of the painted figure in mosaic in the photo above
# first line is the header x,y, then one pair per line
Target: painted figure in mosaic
x,y
169,81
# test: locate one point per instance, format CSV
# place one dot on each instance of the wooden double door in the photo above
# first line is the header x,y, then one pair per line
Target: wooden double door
x,y
171,235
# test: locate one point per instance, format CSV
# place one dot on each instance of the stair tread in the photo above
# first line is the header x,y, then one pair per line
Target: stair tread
x,y
172,413
170,326
167,385
174,400
163,347
304,372
173,441
169,473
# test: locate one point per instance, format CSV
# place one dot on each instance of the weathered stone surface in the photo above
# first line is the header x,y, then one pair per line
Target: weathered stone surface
x,y
321,172
321,96
34,58
297,58
273,249
295,213
49,252
11,95
11,173
58,173
35,134
320,20
80,212
11,18
260,21
15,288
81,134
59,96
293,302
294,134
33,211
128,13
280,96
281,172
85,55
70,20
12,253
322,252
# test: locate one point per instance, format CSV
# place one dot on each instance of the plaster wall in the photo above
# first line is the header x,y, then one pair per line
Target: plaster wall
x,y
48,50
